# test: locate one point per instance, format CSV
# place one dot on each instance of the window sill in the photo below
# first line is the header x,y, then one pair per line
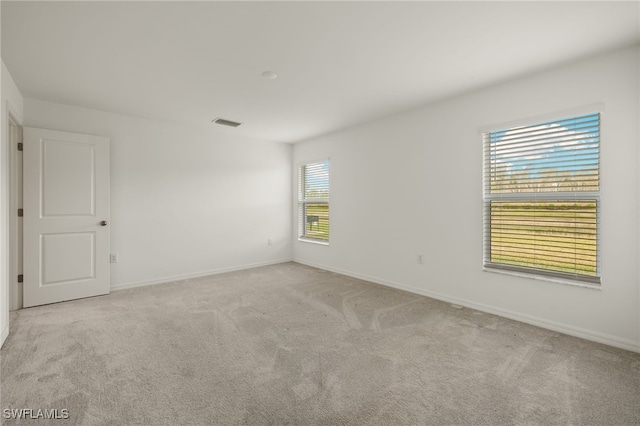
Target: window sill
x,y
309,240
544,278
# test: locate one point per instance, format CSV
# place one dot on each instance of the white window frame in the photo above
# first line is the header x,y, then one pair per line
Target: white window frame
x,y
303,202
488,197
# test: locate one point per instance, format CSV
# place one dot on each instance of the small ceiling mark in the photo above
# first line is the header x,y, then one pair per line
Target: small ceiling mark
x,y
269,75
225,122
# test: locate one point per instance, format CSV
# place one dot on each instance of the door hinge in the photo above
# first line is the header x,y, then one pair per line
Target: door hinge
x,y
20,212
20,146
20,278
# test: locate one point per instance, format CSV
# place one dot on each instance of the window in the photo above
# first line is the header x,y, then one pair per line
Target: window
x,y
313,204
542,198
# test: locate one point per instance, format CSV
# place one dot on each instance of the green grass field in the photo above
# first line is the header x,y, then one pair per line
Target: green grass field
x,y
317,230
556,236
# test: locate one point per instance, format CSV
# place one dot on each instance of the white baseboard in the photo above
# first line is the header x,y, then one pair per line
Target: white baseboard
x,y
181,277
4,335
582,333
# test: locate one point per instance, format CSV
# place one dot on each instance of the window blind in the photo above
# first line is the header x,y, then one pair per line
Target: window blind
x,y
541,198
313,206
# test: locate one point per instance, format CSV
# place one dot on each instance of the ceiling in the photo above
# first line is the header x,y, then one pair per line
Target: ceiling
x,y
338,63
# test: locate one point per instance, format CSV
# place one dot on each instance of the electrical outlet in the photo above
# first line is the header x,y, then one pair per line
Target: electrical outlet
x,y
114,257
420,259
269,242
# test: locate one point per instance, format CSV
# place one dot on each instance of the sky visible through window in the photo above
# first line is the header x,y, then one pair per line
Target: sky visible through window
x,y
567,148
316,178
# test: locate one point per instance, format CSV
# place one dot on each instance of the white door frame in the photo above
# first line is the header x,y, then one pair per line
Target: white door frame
x,y
15,223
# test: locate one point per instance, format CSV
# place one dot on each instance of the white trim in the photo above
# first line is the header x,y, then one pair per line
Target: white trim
x,y
5,334
586,109
535,276
15,193
544,196
314,201
312,241
582,333
181,277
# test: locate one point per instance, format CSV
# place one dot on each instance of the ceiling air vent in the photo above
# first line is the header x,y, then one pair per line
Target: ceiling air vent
x,y
224,122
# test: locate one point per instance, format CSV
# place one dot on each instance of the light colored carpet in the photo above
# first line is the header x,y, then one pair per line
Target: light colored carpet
x,y
290,344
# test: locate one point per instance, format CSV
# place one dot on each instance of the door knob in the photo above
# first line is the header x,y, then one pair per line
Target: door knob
x,y
103,223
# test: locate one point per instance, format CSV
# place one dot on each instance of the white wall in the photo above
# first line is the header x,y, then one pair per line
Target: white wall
x,y
412,183
11,104
184,201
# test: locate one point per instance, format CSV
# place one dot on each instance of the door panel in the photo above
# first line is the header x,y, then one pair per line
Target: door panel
x,y
66,197
67,257
68,171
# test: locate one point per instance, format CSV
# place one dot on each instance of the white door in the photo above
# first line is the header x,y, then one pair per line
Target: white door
x,y
66,216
